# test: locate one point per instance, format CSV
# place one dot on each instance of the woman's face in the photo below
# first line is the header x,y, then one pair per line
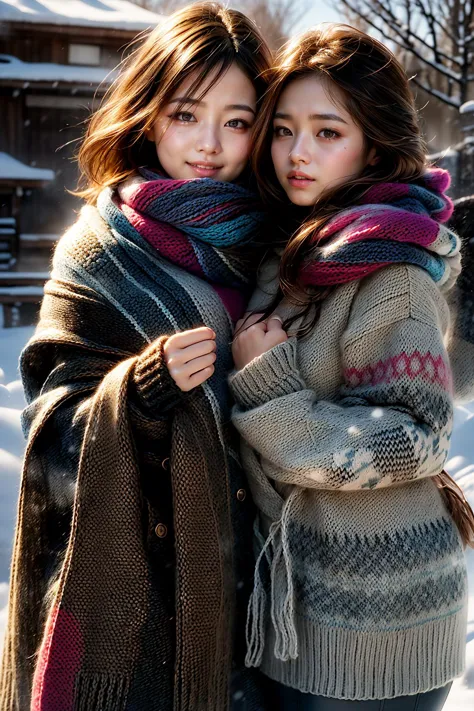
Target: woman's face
x,y
316,145
210,138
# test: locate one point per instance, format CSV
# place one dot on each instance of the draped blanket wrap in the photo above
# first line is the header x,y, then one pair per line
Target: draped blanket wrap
x,y
109,298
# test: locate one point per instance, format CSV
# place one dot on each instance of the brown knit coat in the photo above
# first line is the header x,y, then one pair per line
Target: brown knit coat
x,y
103,613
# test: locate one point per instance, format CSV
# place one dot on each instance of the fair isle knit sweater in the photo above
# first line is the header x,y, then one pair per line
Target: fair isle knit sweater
x,y
360,591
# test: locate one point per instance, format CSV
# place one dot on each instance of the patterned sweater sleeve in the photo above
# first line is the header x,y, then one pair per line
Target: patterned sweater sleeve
x,y
391,420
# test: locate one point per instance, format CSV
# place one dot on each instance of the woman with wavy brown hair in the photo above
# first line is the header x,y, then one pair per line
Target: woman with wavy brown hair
x,y
344,391
134,522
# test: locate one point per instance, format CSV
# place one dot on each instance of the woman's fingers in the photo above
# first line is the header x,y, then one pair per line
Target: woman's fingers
x,y
248,321
184,374
189,353
197,364
199,378
184,339
185,355
274,338
274,323
258,338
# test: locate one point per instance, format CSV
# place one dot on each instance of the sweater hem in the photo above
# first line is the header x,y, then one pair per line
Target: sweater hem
x,y
361,666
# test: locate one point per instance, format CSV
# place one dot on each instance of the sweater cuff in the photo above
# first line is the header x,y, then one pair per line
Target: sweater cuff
x,y
155,389
271,375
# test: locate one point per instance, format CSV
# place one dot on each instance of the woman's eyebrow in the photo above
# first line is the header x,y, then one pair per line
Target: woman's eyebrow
x,y
197,102
240,107
186,100
327,117
312,117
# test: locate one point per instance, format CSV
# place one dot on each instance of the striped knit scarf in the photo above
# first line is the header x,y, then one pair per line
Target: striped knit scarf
x,y
396,223
191,223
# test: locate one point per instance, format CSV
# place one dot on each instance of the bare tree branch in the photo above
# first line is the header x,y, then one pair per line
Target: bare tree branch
x,y
435,37
434,92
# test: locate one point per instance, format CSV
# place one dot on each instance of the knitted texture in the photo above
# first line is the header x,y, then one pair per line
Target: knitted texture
x,y
105,615
191,223
397,223
360,584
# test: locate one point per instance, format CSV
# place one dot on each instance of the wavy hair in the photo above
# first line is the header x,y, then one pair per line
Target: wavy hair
x,y
204,36
376,93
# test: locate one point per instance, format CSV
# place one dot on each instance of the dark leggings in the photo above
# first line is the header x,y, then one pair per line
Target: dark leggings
x,y
286,699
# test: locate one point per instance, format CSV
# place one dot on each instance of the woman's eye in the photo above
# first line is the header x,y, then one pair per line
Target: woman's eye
x,y
281,131
237,123
184,116
328,133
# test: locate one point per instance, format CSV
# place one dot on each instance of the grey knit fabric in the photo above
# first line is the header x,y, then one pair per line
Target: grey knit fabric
x,y
360,587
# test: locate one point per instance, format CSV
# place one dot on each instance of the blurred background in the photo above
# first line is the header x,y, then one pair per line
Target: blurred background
x,y
57,58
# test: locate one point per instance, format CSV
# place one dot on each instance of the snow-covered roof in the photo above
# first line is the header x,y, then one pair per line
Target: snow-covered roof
x,y
467,108
13,169
13,68
21,291
47,237
113,14
22,276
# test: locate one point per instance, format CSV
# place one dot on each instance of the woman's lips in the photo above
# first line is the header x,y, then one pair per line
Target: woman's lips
x,y
299,180
205,170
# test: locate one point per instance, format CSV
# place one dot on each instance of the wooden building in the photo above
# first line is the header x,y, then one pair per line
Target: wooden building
x,y
55,57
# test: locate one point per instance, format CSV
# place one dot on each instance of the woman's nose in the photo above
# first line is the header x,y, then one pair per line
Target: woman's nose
x,y
208,140
299,152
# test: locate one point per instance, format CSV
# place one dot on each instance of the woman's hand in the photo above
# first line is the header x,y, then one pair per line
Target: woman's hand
x,y
190,357
256,338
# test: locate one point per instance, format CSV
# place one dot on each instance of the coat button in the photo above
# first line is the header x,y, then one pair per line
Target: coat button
x,y
166,463
161,530
241,495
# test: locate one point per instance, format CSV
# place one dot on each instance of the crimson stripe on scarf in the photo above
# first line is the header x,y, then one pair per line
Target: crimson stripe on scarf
x,y
170,241
336,273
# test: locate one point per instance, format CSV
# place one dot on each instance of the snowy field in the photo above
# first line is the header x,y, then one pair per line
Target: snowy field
x,y
461,465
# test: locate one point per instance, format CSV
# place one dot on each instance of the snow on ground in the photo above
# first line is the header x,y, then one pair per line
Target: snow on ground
x,y
11,444
460,465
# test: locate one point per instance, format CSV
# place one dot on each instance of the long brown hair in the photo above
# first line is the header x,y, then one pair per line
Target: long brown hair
x,y
377,95
204,36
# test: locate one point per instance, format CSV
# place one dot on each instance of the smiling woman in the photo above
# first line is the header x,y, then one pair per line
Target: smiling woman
x,y
207,137
176,78
131,571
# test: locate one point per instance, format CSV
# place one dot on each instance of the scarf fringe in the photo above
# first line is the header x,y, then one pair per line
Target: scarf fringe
x,y
276,550
101,692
